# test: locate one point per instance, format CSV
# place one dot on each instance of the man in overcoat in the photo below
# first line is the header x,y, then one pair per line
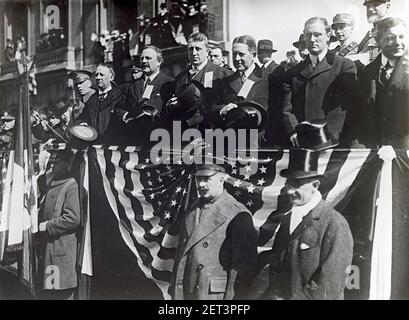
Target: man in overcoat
x,y
313,244
217,254
319,87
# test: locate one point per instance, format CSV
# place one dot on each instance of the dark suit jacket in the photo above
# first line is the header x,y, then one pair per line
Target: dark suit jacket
x,y
231,88
381,113
211,95
138,131
224,240
103,117
321,93
319,252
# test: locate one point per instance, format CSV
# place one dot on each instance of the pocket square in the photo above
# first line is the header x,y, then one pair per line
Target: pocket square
x,y
304,246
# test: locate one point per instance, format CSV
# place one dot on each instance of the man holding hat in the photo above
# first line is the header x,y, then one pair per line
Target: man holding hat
x,y
313,244
203,71
343,25
320,87
218,249
376,10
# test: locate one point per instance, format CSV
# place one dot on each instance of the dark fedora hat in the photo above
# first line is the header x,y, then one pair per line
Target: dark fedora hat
x,y
190,95
208,170
266,45
314,135
248,115
303,164
368,1
300,41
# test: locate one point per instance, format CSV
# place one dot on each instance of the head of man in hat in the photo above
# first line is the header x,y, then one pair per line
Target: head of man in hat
x,y
265,51
376,10
343,26
210,180
302,176
82,81
301,46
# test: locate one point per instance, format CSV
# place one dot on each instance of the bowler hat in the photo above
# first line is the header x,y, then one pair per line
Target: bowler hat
x,y
208,170
368,1
344,18
266,45
80,76
314,135
303,164
248,115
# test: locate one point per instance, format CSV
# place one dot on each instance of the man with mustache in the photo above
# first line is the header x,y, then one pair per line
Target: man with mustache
x,y
319,87
313,244
217,254
376,10
145,91
381,113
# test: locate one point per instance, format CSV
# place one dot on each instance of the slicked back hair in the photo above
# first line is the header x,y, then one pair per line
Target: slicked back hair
x,y
198,37
319,19
247,39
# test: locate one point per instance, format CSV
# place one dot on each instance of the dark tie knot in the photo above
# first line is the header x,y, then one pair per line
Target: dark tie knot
x,y
102,96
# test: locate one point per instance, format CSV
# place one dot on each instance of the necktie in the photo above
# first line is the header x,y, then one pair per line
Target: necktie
x,y
385,75
315,62
147,82
102,96
242,77
193,70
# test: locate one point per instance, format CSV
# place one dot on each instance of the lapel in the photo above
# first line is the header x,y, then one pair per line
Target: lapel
x,y
209,223
256,76
373,72
200,75
324,66
306,68
235,83
307,222
138,87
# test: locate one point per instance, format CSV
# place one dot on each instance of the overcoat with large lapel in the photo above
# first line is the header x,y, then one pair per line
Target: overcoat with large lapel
x,y
225,239
318,255
320,93
60,242
381,114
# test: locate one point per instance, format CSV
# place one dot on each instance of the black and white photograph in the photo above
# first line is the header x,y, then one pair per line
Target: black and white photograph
x,y
204,150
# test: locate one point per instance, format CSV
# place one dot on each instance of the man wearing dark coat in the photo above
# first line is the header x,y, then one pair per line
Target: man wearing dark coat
x,y
100,111
217,254
313,244
59,227
206,73
319,87
145,91
382,109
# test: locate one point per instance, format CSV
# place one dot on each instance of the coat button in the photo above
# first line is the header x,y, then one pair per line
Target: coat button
x,y
200,267
197,286
180,283
205,244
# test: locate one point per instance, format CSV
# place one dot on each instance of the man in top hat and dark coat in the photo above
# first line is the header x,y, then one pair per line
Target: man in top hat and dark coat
x,y
144,95
217,254
100,111
204,72
313,244
321,86
246,84
380,116
376,10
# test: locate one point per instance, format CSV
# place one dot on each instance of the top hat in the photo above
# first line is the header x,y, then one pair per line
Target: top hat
x,y
314,135
300,41
367,1
266,45
303,164
208,170
80,76
248,115
343,18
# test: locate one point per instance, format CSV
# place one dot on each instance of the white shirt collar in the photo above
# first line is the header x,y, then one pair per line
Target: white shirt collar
x,y
385,61
152,76
105,91
249,70
268,63
321,56
299,212
200,66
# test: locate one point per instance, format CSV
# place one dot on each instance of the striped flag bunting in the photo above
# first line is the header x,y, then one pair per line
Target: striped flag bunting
x,y
148,200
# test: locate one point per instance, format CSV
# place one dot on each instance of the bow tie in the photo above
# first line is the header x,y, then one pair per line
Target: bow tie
x,y
102,96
